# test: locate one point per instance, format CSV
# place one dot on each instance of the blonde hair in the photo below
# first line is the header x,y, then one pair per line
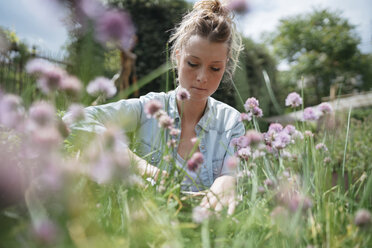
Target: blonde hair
x,y
213,21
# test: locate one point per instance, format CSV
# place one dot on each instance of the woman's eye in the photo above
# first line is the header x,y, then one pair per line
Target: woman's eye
x,y
215,69
191,64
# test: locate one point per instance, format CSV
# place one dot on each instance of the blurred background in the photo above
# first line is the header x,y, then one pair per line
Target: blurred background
x,y
323,46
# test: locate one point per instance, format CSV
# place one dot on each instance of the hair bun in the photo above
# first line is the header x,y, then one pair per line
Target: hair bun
x,y
212,6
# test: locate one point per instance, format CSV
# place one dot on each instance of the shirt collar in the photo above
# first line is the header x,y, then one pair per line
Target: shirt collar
x,y
203,123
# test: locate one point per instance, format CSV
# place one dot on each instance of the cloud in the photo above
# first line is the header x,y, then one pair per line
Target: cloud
x,y
265,16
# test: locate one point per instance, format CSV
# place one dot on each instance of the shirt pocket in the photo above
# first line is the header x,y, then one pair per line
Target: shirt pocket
x,y
150,153
217,167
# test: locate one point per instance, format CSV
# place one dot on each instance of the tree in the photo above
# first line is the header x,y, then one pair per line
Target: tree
x,y
320,46
249,79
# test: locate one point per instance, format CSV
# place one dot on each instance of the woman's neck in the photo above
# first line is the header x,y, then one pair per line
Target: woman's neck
x,y
191,112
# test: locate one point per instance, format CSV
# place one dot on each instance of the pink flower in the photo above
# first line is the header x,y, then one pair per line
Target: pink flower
x,y
308,134
51,79
325,108
239,6
91,8
363,218
101,85
183,94
277,127
245,116
244,153
251,103
38,66
195,161
152,107
290,129
310,114
174,132
165,121
321,146
256,111
253,137
194,140
232,162
293,100
75,113
116,27
172,143
71,85
281,140
46,232
42,113
11,111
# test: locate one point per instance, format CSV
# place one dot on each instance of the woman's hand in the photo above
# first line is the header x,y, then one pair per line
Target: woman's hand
x,y
221,194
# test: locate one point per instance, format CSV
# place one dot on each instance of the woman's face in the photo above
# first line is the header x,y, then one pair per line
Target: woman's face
x,y
201,65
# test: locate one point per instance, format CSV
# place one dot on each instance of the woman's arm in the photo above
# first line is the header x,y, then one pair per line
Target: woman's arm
x,y
125,114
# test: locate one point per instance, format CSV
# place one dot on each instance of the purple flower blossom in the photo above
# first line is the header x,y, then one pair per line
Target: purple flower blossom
x,y
116,27
42,113
194,140
46,232
242,141
75,113
11,111
290,129
293,99
51,79
103,170
281,140
183,94
232,162
244,153
308,134
152,107
91,8
245,116
71,85
325,108
165,121
269,183
46,137
256,111
321,146
239,6
101,85
254,137
362,218
310,114
174,132
251,103
195,161
172,143
38,66
277,127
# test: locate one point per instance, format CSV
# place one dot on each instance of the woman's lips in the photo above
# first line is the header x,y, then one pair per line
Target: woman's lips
x,y
197,88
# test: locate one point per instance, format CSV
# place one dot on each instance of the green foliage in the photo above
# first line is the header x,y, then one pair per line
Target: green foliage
x,y
321,46
249,79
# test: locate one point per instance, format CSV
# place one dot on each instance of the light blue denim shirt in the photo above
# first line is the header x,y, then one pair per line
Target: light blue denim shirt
x,y
217,127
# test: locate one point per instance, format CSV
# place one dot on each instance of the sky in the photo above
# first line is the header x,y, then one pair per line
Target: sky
x,y
39,23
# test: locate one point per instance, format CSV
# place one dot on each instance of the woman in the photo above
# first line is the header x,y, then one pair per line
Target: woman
x,y
205,47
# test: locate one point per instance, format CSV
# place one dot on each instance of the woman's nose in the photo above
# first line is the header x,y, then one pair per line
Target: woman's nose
x,y
202,75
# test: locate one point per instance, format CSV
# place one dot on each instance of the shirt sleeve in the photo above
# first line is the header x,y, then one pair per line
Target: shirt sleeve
x,y
237,131
124,113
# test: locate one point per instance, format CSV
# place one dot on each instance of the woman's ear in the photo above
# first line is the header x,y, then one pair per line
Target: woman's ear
x,y
178,56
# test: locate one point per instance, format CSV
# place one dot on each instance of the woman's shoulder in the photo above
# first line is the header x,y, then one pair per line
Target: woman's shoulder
x,y
226,117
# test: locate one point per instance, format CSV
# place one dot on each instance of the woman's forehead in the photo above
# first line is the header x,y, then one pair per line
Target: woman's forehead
x,y
199,47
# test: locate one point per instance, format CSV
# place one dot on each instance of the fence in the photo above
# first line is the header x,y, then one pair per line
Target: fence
x,y
13,77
